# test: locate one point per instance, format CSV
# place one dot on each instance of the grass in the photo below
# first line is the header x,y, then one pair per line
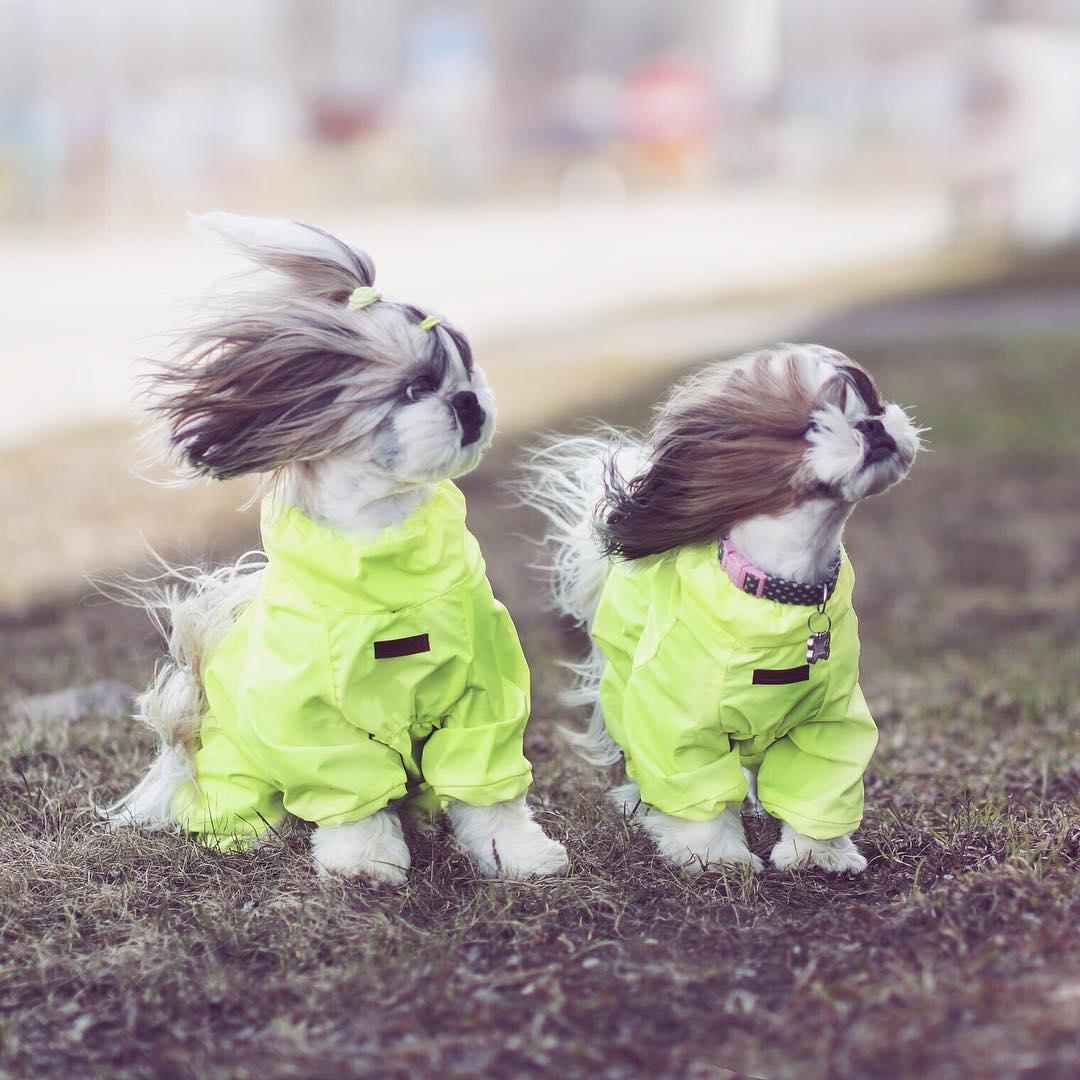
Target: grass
x,y
955,955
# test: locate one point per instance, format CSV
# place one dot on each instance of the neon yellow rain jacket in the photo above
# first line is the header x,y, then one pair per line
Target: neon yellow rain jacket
x,y
362,671
702,679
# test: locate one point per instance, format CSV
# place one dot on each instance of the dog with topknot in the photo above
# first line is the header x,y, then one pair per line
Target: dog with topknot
x,y
360,660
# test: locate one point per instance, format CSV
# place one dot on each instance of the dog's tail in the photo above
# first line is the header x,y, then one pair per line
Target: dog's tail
x,y
565,479
193,609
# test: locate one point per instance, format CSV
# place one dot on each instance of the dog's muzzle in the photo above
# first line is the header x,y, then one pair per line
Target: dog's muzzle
x,y
470,415
879,443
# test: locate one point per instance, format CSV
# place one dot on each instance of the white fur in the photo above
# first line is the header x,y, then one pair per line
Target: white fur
x,y
198,612
267,240
799,544
373,848
838,856
564,480
696,846
504,841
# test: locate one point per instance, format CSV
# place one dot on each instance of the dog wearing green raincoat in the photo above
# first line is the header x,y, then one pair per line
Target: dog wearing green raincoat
x,y
706,563
360,660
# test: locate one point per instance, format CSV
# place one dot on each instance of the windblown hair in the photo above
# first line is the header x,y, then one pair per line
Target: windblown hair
x,y
727,445
285,371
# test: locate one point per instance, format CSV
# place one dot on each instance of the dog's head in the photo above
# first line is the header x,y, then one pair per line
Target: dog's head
x,y
309,362
757,435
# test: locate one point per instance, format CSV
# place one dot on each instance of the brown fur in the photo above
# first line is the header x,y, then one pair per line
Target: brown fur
x,y
726,446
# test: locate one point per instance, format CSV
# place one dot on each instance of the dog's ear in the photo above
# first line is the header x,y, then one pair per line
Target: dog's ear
x,y
254,408
727,446
314,263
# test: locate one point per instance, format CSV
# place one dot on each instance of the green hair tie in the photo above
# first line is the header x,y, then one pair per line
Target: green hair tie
x,y
429,323
363,297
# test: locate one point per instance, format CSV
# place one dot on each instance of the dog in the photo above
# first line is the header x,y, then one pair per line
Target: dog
x,y
361,658
706,563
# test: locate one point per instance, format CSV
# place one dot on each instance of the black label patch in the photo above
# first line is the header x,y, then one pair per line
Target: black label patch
x,y
780,676
402,646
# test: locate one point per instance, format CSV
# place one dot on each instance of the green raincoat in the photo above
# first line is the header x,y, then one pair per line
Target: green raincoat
x,y
702,679
363,670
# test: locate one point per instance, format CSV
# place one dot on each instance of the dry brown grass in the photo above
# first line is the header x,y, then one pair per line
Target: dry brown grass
x,y
955,955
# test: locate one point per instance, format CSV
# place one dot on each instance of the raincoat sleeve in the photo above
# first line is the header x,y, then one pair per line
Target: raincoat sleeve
x,y
675,748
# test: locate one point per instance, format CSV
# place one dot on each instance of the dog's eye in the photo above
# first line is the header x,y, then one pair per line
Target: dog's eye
x,y
425,384
812,426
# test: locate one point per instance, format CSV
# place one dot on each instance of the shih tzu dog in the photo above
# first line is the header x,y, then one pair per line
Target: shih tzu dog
x,y
706,563
362,658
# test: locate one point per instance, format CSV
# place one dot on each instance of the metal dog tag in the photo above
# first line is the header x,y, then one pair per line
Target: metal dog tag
x,y
819,643
817,647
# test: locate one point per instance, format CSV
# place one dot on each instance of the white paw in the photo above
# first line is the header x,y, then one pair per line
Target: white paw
x,y
696,846
373,848
505,842
837,856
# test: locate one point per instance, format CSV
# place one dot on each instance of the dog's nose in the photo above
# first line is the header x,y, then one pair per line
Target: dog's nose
x,y
879,443
470,414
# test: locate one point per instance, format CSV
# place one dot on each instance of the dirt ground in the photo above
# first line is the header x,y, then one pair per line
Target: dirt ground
x,y
956,955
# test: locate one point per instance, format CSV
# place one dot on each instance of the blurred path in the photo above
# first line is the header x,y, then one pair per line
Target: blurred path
x,y
570,311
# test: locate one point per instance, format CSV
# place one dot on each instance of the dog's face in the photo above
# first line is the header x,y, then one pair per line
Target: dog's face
x,y
313,368
858,445
758,435
442,417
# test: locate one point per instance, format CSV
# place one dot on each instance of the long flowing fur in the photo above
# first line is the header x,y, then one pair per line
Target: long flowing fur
x,y
565,479
275,368
194,609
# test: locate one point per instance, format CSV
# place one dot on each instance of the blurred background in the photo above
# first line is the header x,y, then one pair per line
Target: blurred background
x,y
600,192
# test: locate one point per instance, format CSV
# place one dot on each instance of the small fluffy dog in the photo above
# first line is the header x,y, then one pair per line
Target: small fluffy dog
x,y
707,564
363,658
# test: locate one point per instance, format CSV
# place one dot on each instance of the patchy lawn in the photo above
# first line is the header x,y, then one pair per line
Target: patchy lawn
x,y
956,955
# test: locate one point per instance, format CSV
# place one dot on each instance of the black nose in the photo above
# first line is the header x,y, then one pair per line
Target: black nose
x,y
879,443
470,415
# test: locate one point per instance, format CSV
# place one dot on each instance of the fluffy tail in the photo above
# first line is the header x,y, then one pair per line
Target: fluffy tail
x,y
193,610
564,479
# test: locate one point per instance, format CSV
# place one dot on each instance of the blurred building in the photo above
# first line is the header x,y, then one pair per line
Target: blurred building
x,y
122,107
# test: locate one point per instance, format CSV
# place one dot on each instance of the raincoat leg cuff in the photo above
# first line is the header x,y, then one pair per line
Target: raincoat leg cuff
x,y
808,826
487,794
373,806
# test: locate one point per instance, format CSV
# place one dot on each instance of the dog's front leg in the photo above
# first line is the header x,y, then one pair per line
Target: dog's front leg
x,y
838,855
504,841
373,847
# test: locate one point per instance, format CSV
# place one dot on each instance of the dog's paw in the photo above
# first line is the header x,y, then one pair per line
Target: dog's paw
x,y
694,863
837,856
505,842
699,846
373,848
524,857
703,864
